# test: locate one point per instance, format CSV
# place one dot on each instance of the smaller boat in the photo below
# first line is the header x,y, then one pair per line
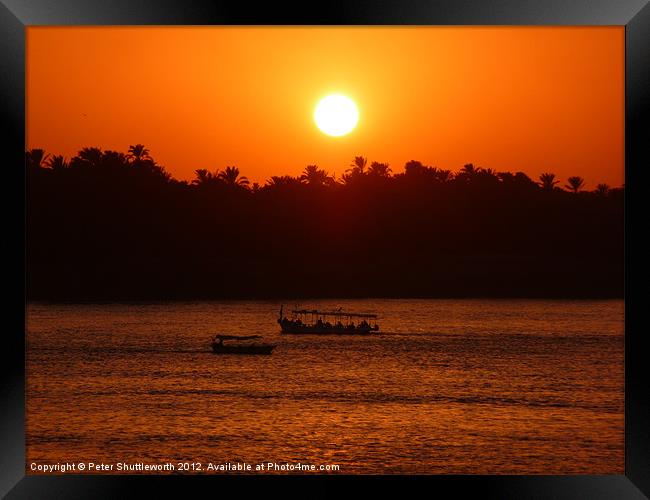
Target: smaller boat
x,y
218,346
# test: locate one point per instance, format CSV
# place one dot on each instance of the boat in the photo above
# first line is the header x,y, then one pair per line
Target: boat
x,y
218,346
337,322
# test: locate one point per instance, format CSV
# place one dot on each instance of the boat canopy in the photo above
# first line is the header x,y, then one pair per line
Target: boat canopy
x,y
333,313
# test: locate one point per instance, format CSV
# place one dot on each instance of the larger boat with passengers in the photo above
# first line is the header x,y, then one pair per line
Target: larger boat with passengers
x,y
327,322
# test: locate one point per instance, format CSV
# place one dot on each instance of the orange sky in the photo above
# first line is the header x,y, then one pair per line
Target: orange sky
x,y
510,98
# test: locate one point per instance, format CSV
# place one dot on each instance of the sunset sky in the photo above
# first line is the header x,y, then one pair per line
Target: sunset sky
x,y
509,98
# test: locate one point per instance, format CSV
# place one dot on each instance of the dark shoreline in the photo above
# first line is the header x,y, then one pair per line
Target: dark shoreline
x,y
180,300
112,226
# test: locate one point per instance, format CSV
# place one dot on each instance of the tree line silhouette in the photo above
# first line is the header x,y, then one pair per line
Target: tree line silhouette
x,y
107,225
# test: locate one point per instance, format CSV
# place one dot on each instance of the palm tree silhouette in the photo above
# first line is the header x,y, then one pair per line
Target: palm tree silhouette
x,y
469,170
35,158
358,165
138,153
602,189
91,157
203,177
413,167
231,177
282,180
379,169
575,183
443,175
314,176
547,181
57,163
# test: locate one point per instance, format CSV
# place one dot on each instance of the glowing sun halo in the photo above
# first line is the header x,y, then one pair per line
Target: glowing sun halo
x,y
336,115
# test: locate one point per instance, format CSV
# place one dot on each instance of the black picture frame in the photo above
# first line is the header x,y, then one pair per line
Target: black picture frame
x,y
16,15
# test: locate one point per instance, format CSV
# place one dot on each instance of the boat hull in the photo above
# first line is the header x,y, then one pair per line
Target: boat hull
x,y
237,349
313,330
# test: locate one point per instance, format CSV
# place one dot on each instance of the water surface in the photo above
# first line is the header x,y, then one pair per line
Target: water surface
x,y
449,386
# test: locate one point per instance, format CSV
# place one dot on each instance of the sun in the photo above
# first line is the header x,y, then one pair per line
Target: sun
x,y
336,115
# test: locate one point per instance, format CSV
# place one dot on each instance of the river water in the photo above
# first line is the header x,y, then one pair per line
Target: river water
x,y
448,386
